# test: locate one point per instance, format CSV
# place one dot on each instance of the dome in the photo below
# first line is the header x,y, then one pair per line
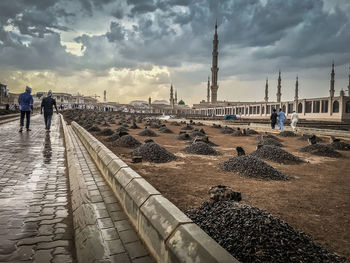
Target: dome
x,y
181,102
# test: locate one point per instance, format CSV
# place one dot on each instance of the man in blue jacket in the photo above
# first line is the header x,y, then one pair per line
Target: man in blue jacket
x,y
25,101
281,119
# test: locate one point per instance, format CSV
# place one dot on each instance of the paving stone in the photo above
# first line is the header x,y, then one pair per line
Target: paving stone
x,y
123,225
146,259
115,246
136,249
110,234
120,258
128,236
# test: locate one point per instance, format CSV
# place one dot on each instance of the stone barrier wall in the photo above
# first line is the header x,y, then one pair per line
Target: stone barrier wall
x,y
88,237
167,232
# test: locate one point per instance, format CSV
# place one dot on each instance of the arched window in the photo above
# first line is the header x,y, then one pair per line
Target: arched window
x,y
347,107
263,110
336,106
300,107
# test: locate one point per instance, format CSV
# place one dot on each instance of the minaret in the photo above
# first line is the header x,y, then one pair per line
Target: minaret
x,y
214,68
208,90
175,97
266,91
296,96
104,96
279,88
171,95
149,101
349,83
331,91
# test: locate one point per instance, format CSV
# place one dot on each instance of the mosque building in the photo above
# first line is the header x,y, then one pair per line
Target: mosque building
x,y
331,108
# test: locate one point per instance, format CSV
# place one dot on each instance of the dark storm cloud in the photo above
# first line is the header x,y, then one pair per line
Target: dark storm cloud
x,y
116,32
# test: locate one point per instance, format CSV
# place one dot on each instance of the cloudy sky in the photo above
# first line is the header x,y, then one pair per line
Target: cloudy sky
x,y
135,48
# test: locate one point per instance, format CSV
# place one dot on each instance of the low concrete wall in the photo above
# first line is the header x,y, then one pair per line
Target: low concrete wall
x,y
167,232
88,236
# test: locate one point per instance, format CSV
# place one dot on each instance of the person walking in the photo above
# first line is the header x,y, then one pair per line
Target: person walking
x,y
25,101
273,118
48,103
281,119
294,120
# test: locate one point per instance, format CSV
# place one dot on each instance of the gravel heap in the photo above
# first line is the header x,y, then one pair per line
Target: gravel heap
x,y
154,125
165,130
106,132
341,146
148,132
237,133
226,130
95,129
175,123
287,134
187,127
270,136
264,140
152,152
200,148
183,137
199,124
195,133
216,126
122,129
251,132
127,141
106,124
134,126
251,166
113,137
321,150
276,154
253,235
305,137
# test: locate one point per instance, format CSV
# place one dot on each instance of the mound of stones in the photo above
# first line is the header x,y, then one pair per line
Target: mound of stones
x,y
226,130
203,138
148,132
306,137
187,127
106,132
251,132
275,154
183,136
196,133
153,152
113,137
201,148
287,134
164,129
95,129
216,126
321,150
134,126
253,235
264,140
122,129
175,123
341,146
251,166
237,133
126,141
199,124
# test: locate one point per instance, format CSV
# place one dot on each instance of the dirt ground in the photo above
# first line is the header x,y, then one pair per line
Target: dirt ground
x,y
316,200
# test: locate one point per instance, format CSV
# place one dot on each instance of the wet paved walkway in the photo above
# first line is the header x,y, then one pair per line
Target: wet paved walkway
x,y
118,235
35,222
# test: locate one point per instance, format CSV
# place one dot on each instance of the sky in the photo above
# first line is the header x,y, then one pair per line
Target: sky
x,y
134,49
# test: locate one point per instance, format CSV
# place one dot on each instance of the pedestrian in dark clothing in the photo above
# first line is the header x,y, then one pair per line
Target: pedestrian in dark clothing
x,y
48,103
25,101
273,118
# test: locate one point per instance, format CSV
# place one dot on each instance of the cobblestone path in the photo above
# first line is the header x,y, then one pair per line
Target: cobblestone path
x,y
35,221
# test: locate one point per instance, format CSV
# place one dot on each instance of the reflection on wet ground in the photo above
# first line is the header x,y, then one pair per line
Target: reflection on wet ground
x,y
35,222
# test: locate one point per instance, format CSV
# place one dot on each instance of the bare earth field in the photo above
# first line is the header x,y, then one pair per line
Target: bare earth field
x,y
316,200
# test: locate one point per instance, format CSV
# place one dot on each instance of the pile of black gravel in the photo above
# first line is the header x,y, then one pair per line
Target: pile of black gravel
x,y
251,166
153,152
287,134
226,130
126,141
199,124
195,133
216,126
251,132
165,130
113,137
237,133
183,137
253,235
262,140
95,129
276,154
321,150
106,132
148,132
174,123
187,127
305,137
341,146
200,148
122,129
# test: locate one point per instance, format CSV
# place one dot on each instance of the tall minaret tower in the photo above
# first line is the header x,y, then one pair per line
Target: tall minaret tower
x,y
171,96
208,90
349,83
214,68
104,95
331,91
266,91
175,97
296,96
279,88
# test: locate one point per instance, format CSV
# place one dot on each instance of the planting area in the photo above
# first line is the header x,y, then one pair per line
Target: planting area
x,y
295,188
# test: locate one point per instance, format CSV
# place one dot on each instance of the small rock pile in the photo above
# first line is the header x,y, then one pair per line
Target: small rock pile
x,y
106,132
253,235
153,152
226,130
201,148
306,137
265,140
164,129
175,123
321,150
275,154
251,166
126,141
196,133
95,129
341,146
148,132
183,137
287,134
251,132
237,133
113,137
187,127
